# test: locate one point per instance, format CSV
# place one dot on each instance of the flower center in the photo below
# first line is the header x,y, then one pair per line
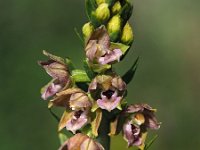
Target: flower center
x,y
108,93
134,129
78,114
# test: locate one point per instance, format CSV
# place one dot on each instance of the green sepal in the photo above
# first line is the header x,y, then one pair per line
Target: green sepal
x,y
114,36
80,76
128,76
147,146
99,68
126,12
62,137
70,65
120,46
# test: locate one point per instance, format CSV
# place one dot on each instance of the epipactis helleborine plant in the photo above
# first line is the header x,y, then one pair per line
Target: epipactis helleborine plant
x,y
93,100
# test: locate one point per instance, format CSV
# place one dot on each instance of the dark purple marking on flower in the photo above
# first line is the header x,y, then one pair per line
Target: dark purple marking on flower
x,y
77,121
109,101
132,134
78,114
108,93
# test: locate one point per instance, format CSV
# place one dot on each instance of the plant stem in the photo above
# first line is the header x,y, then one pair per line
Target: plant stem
x,y
104,130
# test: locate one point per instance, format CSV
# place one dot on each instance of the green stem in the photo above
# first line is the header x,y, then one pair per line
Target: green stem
x,y
104,130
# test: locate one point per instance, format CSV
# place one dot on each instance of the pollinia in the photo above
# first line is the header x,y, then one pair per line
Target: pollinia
x,y
94,99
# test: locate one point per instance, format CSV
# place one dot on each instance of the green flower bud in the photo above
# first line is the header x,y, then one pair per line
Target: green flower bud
x,y
127,34
114,27
87,29
102,13
100,1
116,7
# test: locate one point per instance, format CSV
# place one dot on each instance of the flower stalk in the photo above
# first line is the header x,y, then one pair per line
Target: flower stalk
x,y
104,130
93,100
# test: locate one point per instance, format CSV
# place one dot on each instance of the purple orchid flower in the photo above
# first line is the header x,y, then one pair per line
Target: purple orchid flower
x,y
77,106
98,49
141,118
108,91
57,69
76,120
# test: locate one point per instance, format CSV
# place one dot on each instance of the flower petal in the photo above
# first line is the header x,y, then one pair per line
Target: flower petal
x,y
63,97
90,144
79,100
74,142
118,83
51,89
77,121
91,50
55,70
108,104
102,36
110,57
132,134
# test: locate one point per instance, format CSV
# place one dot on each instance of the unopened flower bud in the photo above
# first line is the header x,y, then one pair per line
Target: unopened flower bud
x,y
102,13
127,34
116,7
114,27
100,1
87,29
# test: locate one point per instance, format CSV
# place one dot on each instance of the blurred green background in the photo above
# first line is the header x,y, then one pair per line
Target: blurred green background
x,y
167,39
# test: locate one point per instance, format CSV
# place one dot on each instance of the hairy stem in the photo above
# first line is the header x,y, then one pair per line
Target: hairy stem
x,y
104,130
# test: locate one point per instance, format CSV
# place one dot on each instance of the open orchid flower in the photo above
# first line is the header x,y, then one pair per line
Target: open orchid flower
x,y
77,106
98,49
81,142
141,118
74,120
57,69
108,91
144,114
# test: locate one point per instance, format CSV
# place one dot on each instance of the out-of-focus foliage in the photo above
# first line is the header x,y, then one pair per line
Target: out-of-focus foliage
x,y
168,76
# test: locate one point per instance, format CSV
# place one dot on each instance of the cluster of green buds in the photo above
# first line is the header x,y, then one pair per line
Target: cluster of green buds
x,y
93,100
114,15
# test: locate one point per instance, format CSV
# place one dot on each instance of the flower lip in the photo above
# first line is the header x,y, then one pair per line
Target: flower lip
x,y
108,90
51,89
78,120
